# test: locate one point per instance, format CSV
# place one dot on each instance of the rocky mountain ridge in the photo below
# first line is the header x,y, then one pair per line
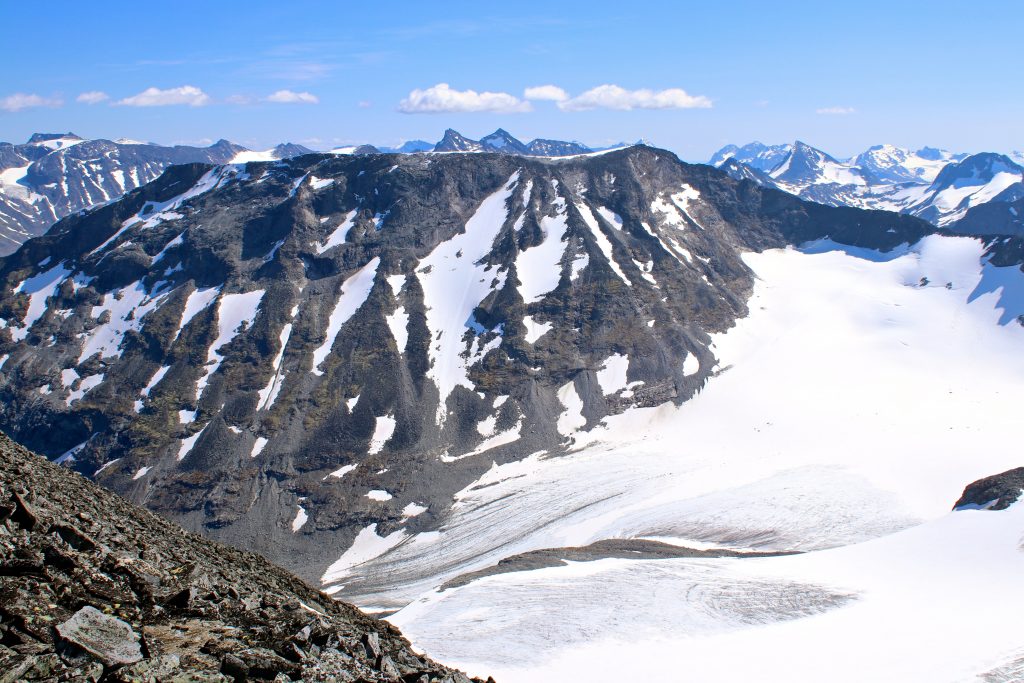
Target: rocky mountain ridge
x,y
55,175
294,355
93,588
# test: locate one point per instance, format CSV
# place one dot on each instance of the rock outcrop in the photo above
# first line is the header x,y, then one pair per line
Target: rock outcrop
x,y
997,492
93,588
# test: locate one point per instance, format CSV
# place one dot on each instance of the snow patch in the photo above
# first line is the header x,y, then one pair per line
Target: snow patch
x,y
612,375
454,282
235,312
258,446
339,234
353,293
534,329
383,428
572,418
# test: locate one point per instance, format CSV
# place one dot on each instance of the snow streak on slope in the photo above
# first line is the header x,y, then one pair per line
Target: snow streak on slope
x,y
126,309
338,235
539,268
39,289
454,282
235,313
842,413
603,243
353,293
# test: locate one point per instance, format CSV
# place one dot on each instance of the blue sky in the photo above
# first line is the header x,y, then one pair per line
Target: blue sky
x,y
841,76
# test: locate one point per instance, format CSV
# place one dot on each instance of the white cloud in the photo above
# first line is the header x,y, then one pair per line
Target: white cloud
x,y
19,101
290,97
155,97
616,97
836,111
238,99
546,92
441,99
92,97
365,104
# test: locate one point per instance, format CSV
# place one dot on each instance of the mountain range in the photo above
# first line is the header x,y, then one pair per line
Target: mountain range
x,y
354,339
55,175
422,381
975,194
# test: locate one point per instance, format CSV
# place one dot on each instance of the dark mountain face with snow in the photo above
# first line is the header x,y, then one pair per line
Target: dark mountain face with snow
x,y
55,175
283,353
936,185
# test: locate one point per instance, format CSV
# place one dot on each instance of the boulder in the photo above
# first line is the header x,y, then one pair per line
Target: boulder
x,y
107,638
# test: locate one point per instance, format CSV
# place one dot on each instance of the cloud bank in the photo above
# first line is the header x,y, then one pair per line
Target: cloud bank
x,y
290,97
442,99
92,97
19,101
155,97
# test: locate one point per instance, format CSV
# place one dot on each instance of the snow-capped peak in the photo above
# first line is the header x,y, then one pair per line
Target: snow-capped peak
x,y
755,154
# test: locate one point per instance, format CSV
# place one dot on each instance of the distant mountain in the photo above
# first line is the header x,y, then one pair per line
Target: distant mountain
x,y
355,149
453,141
756,155
804,166
54,175
930,183
286,150
741,171
890,164
978,179
503,142
409,147
556,148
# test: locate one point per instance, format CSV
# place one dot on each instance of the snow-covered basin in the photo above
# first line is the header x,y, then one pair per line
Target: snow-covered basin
x,y
857,399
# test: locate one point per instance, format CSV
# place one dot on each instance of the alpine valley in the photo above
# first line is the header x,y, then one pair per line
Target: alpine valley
x,y
557,413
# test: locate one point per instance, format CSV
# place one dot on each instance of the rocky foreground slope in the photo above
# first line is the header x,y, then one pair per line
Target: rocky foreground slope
x,y
93,588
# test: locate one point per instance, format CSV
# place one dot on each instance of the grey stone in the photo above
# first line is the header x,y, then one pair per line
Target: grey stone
x,y
155,670
109,639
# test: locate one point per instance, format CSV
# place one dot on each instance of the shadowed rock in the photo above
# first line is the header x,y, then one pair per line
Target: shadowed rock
x,y
997,492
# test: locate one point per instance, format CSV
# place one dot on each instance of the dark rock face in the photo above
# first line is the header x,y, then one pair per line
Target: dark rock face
x,y
147,601
282,355
997,217
997,492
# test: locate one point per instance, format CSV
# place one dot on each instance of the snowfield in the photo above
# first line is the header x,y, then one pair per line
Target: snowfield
x,y
844,421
